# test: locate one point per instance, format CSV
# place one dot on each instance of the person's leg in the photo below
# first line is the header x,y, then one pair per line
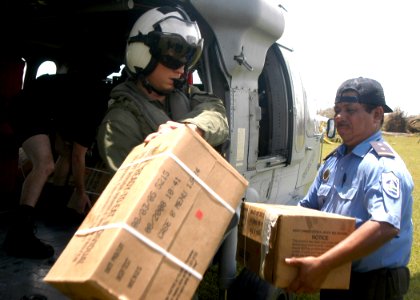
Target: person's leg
x,y
63,163
66,200
20,239
80,201
38,150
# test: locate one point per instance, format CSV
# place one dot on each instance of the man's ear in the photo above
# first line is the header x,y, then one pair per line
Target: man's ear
x,y
378,114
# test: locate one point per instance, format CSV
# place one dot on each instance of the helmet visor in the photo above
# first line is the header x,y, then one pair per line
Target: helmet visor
x,y
179,39
173,51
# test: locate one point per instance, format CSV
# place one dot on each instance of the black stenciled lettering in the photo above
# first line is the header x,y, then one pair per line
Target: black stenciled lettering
x,y
320,237
130,182
117,252
159,183
165,227
155,216
159,211
151,197
176,181
134,277
89,247
136,222
255,231
162,179
169,194
148,227
108,267
132,177
144,208
191,180
123,269
182,278
180,200
255,222
114,257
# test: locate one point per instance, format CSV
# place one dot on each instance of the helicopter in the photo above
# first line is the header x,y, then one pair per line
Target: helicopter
x,y
274,139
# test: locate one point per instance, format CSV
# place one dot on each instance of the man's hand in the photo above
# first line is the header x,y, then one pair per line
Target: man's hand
x,y
80,202
311,274
168,127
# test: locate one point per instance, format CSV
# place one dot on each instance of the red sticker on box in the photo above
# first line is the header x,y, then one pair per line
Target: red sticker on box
x,y
199,214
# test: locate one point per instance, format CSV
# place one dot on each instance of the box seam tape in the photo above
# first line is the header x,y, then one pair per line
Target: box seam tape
x,y
270,219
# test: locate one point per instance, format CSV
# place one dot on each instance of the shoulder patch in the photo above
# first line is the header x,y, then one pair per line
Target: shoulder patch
x,y
391,185
382,149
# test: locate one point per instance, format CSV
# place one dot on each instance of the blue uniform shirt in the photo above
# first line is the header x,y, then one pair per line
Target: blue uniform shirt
x,y
367,186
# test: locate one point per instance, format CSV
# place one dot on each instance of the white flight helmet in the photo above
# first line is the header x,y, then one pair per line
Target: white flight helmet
x,y
165,35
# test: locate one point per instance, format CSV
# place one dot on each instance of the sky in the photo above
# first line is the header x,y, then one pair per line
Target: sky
x,y
335,40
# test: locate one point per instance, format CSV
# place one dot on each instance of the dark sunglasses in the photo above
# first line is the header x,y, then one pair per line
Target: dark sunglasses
x,y
173,51
171,63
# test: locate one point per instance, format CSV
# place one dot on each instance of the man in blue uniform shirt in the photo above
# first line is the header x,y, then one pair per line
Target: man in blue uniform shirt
x,y
363,178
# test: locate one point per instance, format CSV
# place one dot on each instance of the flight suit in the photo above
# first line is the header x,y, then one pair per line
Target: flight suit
x,y
131,117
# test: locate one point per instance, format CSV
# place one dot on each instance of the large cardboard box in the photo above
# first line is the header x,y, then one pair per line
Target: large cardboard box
x,y
270,233
157,225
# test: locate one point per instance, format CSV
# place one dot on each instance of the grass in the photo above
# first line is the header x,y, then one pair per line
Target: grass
x,y
408,147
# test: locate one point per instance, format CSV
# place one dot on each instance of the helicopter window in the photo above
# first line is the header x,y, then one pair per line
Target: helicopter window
x,y
47,67
116,75
276,107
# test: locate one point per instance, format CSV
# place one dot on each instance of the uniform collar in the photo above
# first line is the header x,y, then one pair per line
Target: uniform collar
x,y
364,147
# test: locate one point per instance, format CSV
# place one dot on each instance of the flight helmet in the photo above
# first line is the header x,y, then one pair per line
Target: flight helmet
x,y
165,35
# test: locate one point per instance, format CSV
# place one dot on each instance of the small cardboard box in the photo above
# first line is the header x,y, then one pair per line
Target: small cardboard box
x,y
157,225
270,233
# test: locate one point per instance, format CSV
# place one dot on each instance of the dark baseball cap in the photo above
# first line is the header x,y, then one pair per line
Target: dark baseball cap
x,y
368,91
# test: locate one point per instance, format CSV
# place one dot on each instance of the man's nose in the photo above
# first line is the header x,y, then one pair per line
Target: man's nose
x,y
338,115
180,70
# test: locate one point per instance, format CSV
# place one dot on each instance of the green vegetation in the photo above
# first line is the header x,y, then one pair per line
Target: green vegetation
x,y
408,148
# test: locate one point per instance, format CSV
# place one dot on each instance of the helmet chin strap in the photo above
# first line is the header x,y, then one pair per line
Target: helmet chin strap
x,y
179,83
147,85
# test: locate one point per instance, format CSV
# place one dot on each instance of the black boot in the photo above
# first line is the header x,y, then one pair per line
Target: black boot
x,y
21,240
